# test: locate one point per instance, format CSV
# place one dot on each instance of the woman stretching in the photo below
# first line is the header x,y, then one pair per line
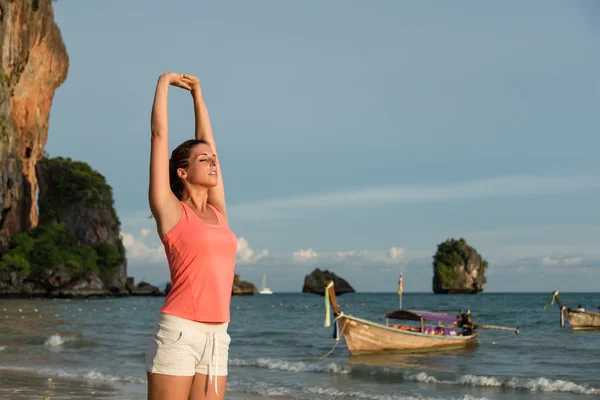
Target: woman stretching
x,y
188,349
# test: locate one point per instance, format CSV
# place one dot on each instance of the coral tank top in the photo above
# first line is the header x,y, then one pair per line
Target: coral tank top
x,y
201,260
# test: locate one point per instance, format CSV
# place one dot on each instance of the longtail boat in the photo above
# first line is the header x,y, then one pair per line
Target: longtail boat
x,y
435,331
578,319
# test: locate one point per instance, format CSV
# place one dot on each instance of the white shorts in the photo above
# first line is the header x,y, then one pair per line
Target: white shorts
x,y
183,347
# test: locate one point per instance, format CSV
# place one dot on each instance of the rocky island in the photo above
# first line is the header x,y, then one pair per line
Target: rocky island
x,y
458,268
316,280
242,288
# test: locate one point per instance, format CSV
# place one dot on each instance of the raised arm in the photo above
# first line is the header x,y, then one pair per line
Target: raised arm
x,y
163,203
216,195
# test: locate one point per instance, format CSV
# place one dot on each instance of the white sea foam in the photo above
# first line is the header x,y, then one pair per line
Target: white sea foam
x,y
332,392
2,348
532,385
290,366
271,390
89,375
58,340
100,376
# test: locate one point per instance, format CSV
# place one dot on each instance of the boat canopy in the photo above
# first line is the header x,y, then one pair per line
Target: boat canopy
x,y
415,315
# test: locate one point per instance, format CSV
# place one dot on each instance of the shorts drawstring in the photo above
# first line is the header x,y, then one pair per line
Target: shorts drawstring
x,y
214,360
216,348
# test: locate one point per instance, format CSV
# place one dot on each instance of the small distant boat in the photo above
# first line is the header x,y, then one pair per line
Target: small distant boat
x,y
578,319
437,331
265,289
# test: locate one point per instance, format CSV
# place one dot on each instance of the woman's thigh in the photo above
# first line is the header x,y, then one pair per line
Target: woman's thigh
x,y
169,387
203,389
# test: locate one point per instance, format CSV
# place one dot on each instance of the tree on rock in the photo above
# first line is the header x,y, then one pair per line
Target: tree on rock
x,y
458,268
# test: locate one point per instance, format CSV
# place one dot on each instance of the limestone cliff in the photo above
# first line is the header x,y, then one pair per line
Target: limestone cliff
x,y
316,281
73,194
458,268
76,249
33,63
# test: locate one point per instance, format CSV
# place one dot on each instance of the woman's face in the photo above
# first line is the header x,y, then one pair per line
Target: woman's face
x,y
202,169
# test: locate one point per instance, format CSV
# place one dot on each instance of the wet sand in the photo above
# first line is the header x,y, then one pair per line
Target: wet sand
x,y
18,385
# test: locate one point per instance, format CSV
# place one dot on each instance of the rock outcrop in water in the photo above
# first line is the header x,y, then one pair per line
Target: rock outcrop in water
x,y
242,288
316,281
458,268
145,289
33,63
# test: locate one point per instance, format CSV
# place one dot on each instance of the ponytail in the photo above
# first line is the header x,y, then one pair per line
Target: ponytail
x,y
180,158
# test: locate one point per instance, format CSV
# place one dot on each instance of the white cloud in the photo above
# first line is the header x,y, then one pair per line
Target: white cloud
x,y
246,255
145,232
562,260
305,255
507,186
550,261
140,251
573,260
522,268
397,254
341,255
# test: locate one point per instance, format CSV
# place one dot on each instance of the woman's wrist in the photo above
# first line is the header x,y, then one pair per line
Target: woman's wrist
x,y
169,77
196,93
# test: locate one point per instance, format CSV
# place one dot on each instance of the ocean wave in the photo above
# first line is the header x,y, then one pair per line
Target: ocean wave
x,y
532,384
332,392
88,375
540,384
100,376
56,340
302,391
290,366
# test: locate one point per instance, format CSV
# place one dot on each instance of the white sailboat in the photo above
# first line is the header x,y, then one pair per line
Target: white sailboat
x,y
265,289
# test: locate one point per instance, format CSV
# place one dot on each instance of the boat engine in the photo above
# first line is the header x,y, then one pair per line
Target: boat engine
x,y
466,322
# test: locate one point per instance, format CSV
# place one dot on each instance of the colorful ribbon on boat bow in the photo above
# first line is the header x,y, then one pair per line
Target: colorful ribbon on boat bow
x,y
551,301
327,312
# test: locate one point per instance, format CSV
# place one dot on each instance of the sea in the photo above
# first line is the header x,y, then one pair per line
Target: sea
x,y
281,349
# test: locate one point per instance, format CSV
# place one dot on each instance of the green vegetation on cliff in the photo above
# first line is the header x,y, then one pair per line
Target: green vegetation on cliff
x,y
458,267
72,182
55,247
52,244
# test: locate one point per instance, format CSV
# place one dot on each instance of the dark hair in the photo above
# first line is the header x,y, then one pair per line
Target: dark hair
x,y
180,158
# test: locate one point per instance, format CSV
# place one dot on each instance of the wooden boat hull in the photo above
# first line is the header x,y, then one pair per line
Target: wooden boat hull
x,y
368,337
583,320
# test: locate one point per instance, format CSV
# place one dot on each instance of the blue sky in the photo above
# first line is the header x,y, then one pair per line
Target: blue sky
x,y
356,136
